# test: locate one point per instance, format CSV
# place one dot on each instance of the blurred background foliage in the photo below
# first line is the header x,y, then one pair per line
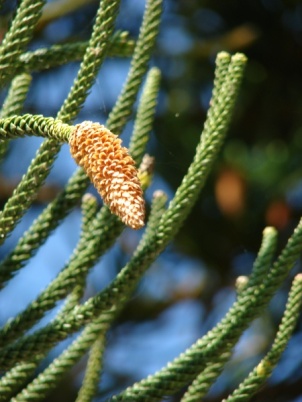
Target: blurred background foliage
x,y
257,181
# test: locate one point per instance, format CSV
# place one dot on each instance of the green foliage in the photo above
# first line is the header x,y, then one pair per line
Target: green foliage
x,y
21,352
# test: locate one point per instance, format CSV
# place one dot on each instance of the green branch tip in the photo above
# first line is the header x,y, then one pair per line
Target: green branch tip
x,y
222,55
269,231
298,277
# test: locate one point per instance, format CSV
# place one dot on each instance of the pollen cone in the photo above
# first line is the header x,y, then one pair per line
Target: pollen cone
x,y
111,169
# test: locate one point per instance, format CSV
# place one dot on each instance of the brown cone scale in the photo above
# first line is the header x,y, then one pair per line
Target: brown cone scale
x,y
111,169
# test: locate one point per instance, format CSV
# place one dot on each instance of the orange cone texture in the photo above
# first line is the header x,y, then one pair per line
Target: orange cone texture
x,y
111,169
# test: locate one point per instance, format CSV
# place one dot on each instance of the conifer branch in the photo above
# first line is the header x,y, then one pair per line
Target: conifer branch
x,y
263,370
200,386
46,222
47,380
92,244
221,72
145,115
92,60
89,210
98,150
17,377
42,59
20,374
14,102
103,230
35,125
93,370
245,309
139,63
264,258
77,184
13,380
39,168
127,279
18,37
16,96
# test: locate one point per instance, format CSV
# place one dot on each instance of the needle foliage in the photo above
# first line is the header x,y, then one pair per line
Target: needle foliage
x,y
23,346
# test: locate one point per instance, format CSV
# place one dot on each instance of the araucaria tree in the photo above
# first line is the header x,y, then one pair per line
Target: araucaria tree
x,y
121,176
